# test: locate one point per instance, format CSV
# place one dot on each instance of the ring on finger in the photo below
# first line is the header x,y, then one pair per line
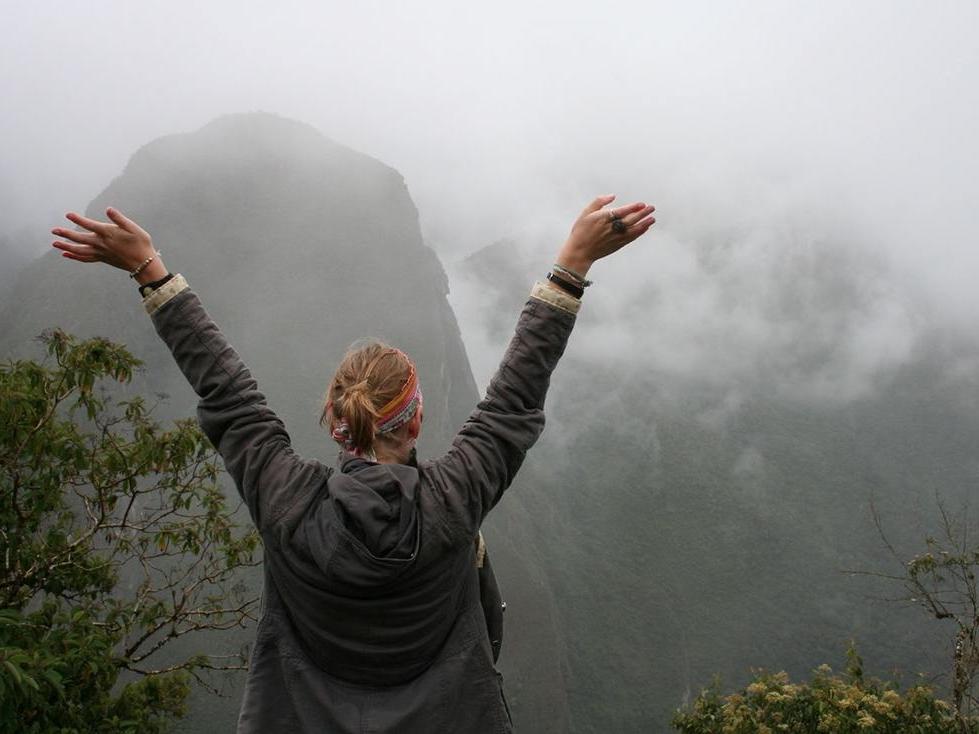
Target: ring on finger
x,y
618,226
612,216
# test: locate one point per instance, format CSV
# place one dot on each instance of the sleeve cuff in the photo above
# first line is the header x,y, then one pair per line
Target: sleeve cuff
x,y
559,299
155,300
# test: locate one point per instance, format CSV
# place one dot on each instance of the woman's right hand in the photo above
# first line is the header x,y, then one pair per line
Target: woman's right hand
x,y
599,232
120,243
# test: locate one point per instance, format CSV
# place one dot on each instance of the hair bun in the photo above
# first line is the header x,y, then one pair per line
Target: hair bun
x,y
363,386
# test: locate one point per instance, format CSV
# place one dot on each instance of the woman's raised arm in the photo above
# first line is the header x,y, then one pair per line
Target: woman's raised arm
x,y
491,445
232,412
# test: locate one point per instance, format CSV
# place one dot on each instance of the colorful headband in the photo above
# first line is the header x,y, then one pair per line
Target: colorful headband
x,y
392,416
401,410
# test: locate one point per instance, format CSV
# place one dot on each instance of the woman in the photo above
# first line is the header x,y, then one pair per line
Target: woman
x,y
371,617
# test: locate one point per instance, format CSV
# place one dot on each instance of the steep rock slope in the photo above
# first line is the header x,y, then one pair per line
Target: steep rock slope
x,y
298,246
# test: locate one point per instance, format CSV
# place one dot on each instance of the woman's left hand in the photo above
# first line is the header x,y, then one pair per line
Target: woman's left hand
x,y
120,243
600,232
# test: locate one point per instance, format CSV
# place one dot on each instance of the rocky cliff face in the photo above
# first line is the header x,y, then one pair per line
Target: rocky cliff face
x,y
298,246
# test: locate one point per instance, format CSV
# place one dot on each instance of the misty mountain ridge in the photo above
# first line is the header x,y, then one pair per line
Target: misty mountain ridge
x,y
14,259
716,434
261,206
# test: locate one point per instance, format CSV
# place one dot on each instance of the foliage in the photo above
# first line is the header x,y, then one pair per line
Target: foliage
x,y
115,541
838,703
942,580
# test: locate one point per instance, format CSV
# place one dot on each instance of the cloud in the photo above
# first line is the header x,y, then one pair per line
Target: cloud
x,y
772,300
505,119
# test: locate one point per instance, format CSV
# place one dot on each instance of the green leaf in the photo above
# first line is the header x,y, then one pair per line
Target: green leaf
x,y
14,672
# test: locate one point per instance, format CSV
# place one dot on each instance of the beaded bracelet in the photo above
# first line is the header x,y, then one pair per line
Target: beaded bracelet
x,y
143,264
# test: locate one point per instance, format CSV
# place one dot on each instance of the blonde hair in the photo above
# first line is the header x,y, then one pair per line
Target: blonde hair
x,y
369,377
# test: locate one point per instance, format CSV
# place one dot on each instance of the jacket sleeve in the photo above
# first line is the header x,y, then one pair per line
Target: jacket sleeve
x,y
234,415
489,449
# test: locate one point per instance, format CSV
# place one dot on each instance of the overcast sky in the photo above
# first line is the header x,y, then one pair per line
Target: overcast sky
x,y
505,117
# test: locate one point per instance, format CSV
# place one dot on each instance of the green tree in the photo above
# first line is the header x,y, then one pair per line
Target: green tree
x,y
942,580
115,541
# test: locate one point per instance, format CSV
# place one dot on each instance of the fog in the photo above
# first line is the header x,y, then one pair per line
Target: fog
x,y
505,120
813,166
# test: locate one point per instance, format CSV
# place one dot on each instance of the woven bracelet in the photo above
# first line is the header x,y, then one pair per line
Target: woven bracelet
x,y
578,279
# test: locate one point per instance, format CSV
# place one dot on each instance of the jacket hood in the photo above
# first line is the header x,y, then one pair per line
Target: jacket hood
x,y
377,505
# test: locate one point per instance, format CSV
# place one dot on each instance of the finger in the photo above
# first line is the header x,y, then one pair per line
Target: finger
x,y
638,229
90,224
85,238
79,258
77,250
642,225
598,203
634,217
122,220
622,212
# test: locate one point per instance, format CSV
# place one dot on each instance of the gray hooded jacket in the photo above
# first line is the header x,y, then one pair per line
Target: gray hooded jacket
x,y
371,618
